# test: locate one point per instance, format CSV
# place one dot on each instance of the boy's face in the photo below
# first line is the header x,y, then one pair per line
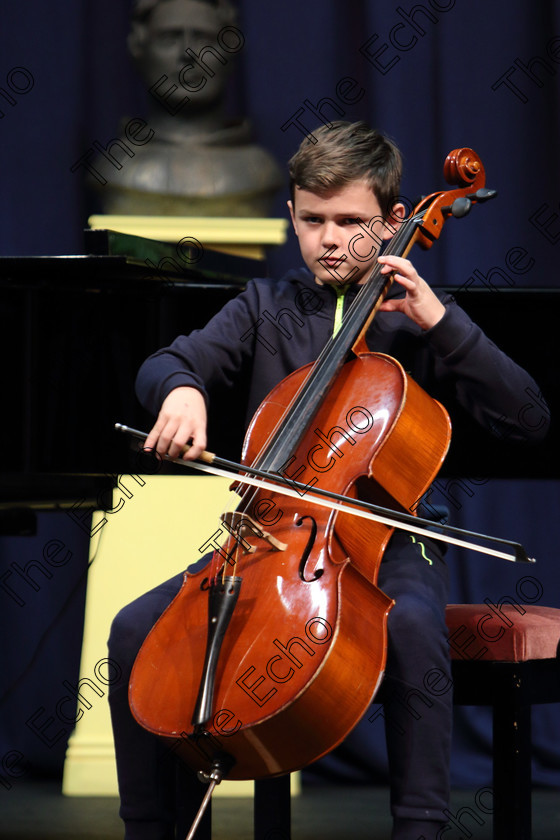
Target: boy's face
x,y
340,233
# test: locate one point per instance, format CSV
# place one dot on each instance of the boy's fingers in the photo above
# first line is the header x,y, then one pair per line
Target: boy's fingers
x,y
153,438
197,445
390,305
181,421
403,266
176,434
162,436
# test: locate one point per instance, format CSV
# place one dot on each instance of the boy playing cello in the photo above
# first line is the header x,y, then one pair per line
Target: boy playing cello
x,y
344,181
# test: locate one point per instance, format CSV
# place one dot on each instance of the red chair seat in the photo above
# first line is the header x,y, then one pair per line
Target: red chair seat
x,y
503,633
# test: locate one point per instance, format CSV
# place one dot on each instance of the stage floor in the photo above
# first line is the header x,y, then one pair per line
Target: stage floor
x,y
38,811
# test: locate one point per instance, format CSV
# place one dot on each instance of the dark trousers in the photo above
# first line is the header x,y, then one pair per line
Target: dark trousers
x,y
415,692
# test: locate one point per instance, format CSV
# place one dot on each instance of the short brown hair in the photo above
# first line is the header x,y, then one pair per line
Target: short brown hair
x,y
333,157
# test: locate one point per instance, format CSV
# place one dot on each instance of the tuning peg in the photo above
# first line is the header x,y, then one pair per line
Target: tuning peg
x,y
483,194
459,208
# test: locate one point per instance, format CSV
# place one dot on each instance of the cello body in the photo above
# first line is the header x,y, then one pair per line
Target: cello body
x,y
305,648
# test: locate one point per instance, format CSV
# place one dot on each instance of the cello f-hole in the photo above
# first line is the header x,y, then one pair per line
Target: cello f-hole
x,y
304,557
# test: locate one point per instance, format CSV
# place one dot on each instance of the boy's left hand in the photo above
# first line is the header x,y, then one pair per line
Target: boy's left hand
x,y
419,303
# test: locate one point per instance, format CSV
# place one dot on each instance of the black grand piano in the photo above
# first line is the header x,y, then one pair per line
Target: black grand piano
x,y
75,329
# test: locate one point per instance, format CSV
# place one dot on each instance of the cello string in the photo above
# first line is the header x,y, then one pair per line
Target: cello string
x,y
230,504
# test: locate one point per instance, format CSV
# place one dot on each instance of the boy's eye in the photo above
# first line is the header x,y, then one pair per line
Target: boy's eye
x,y
312,219
350,221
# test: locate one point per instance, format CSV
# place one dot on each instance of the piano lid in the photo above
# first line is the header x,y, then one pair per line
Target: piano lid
x,y
121,257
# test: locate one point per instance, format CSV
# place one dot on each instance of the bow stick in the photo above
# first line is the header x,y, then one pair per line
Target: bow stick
x,y
211,463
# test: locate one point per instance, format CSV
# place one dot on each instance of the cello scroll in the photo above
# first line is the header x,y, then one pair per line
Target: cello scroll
x,y
462,168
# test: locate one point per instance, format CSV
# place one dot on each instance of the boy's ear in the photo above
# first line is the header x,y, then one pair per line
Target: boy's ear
x,y
393,220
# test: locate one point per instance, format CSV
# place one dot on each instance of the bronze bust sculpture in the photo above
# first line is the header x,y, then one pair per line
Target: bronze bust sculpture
x,y
186,159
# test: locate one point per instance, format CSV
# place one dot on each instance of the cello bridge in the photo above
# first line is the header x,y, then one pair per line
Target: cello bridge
x,y
241,525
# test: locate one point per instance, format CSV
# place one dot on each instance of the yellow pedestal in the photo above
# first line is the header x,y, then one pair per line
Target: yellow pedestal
x,y
242,237
155,531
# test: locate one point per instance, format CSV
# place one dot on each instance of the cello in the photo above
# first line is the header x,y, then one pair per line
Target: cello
x,y
266,662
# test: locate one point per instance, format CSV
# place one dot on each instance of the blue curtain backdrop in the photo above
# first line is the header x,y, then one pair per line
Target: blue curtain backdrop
x,y
435,75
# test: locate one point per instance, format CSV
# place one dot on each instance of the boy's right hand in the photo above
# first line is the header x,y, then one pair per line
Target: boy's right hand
x,y
181,420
